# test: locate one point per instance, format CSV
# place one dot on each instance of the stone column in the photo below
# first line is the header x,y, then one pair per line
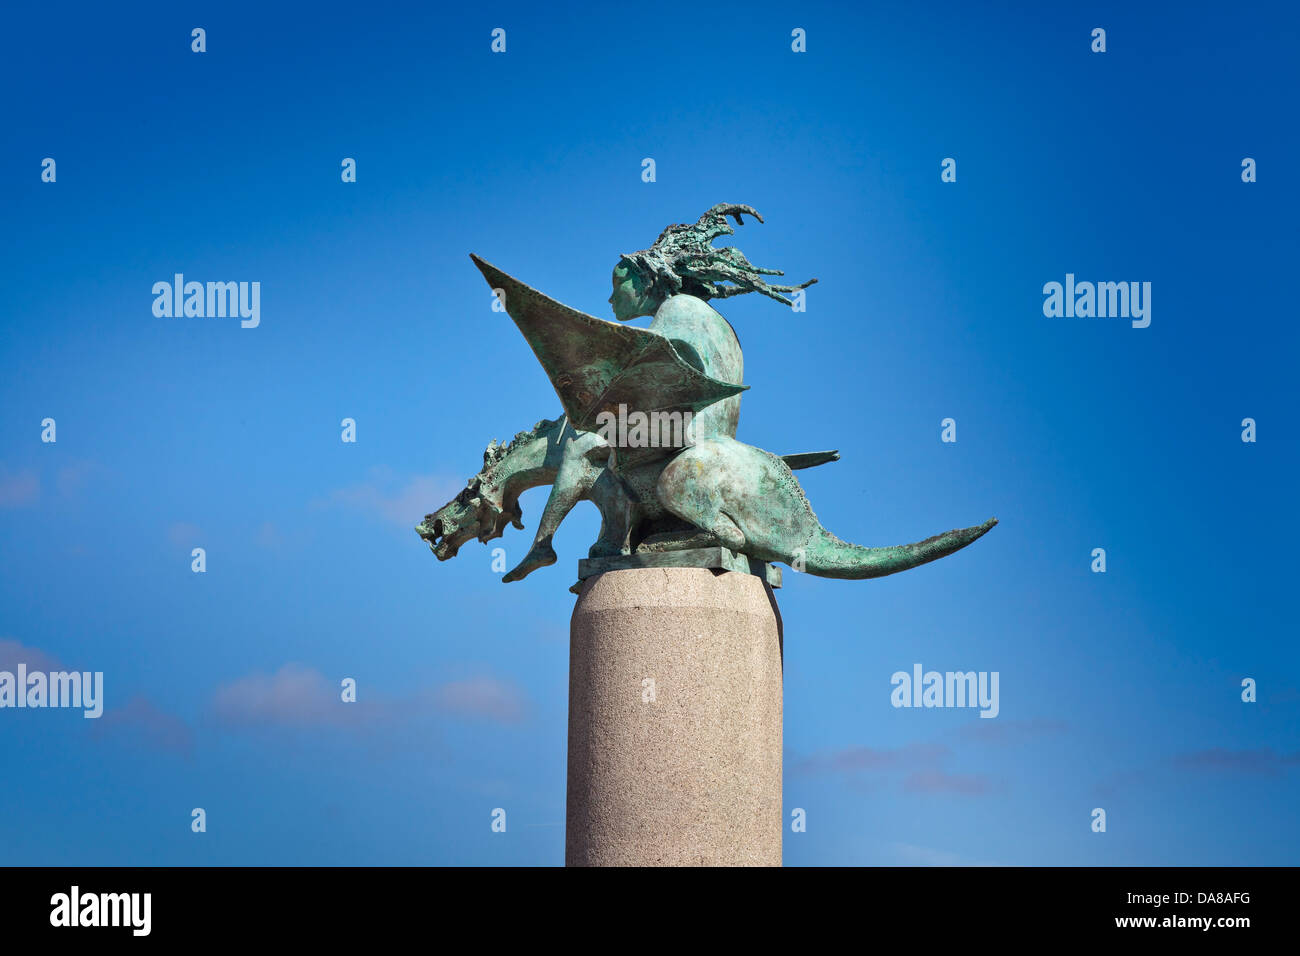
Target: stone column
x,y
687,770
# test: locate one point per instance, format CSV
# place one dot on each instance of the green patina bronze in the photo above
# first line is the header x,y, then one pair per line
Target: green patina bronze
x,y
697,492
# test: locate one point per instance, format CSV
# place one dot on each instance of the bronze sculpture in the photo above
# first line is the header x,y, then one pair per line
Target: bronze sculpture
x,y
701,490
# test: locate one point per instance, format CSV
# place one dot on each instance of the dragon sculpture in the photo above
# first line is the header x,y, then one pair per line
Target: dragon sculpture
x,y
703,488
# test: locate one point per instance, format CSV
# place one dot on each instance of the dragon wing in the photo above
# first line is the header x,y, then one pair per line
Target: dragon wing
x,y
596,365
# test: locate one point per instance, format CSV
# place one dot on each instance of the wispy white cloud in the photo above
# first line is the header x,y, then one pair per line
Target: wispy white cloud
x,y
18,488
393,499
941,781
270,537
13,653
1011,731
294,696
141,721
918,767
1264,761
297,696
482,697
72,478
911,855
183,534
1165,771
908,757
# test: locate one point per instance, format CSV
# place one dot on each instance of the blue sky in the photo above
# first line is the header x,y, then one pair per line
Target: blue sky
x,y
1118,690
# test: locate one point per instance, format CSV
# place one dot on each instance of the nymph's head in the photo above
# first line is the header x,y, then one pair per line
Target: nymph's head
x,y
631,296
684,261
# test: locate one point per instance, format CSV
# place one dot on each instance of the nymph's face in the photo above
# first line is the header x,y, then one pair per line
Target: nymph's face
x,y
629,298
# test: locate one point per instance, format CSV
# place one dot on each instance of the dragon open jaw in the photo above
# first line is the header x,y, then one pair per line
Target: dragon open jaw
x,y
444,542
465,517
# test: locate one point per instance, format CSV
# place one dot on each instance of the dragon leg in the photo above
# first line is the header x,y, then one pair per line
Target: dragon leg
x,y
573,480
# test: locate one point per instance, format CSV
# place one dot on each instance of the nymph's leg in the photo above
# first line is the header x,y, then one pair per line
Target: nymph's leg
x,y
573,480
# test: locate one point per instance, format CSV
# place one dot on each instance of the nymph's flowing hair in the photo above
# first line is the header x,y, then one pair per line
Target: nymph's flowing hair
x,y
682,260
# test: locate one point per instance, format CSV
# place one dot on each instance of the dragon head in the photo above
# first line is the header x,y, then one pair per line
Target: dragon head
x,y
479,511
